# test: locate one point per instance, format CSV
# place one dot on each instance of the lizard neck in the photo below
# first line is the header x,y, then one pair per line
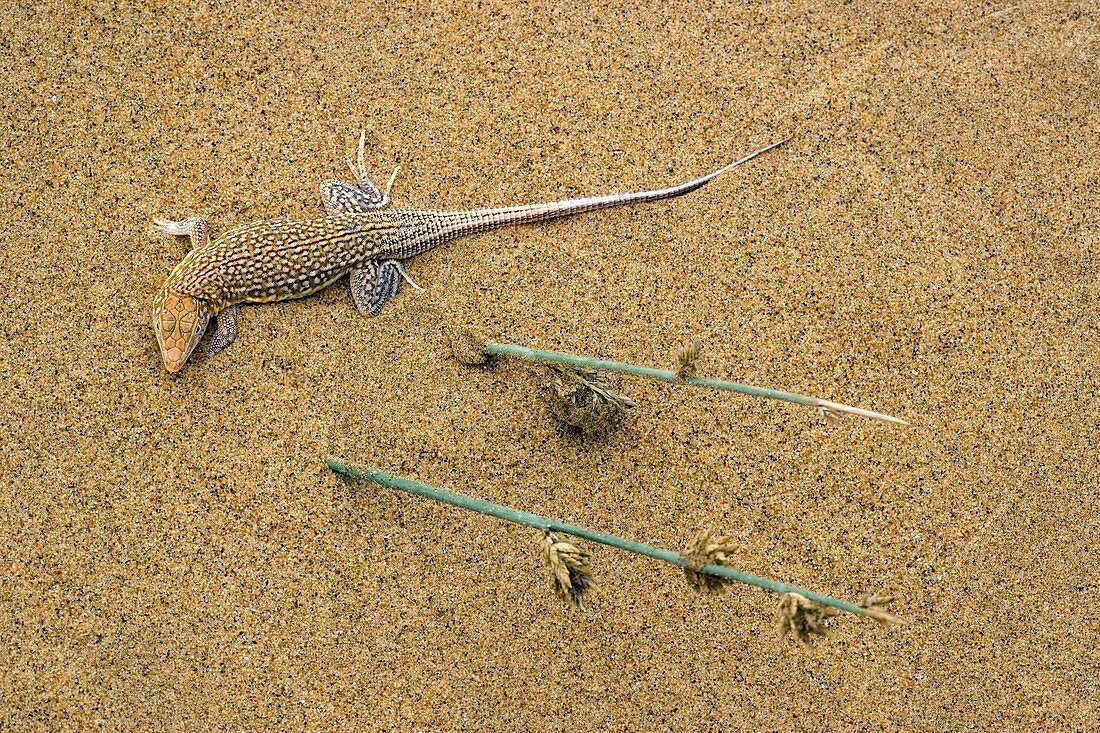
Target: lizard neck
x,y
199,276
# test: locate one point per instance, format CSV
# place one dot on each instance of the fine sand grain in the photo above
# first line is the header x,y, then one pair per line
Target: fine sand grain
x,y
176,557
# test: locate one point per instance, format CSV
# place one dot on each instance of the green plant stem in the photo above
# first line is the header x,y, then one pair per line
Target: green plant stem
x,y
550,525
663,375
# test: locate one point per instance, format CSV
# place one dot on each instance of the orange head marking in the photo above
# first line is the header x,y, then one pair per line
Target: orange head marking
x,y
179,321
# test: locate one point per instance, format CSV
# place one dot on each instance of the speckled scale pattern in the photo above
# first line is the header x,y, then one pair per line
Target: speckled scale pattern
x,y
278,259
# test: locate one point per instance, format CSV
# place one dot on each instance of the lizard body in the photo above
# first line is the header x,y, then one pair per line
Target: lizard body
x,y
279,259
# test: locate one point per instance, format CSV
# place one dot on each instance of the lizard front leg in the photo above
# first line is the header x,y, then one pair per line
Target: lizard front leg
x,y
225,333
194,227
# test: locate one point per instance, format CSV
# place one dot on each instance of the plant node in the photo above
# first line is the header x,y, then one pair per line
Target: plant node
x,y
584,400
687,358
707,548
804,618
571,571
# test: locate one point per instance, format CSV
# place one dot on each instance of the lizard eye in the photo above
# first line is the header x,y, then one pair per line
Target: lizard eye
x,y
165,321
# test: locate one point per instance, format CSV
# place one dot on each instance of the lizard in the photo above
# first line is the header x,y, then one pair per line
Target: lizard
x,y
361,236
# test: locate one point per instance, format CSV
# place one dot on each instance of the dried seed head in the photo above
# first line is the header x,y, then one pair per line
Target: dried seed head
x,y
584,400
872,600
687,357
467,345
570,569
872,603
707,548
804,618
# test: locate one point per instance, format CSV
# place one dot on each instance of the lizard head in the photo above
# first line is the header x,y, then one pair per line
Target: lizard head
x,y
179,321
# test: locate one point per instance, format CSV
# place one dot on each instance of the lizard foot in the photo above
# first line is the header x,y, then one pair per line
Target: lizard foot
x,y
358,168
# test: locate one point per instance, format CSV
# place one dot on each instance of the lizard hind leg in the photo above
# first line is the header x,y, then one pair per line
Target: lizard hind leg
x,y
374,282
342,198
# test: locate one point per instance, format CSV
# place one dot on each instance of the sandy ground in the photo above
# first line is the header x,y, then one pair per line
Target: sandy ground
x,y
176,557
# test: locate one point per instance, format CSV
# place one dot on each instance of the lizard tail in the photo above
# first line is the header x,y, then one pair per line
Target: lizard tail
x,y
460,223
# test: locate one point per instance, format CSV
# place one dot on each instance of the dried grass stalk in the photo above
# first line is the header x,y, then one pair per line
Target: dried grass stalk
x,y
570,568
707,548
573,574
584,400
804,619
